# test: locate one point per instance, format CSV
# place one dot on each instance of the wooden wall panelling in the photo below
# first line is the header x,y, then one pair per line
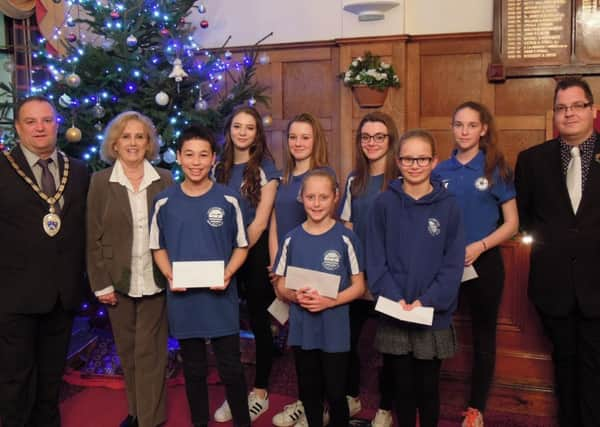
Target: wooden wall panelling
x,y
302,78
412,84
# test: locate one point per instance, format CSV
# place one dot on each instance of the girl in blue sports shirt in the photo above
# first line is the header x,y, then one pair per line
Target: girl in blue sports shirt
x,y
479,176
306,150
199,220
375,167
320,326
246,166
415,256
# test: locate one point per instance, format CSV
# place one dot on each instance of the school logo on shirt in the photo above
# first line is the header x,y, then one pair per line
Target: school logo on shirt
x,y
433,226
445,183
214,216
331,260
482,183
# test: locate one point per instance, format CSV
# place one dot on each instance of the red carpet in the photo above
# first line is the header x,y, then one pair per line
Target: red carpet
x,y
100,401
103,407
106,407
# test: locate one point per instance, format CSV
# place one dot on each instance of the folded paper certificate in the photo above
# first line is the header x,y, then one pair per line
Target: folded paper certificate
x,y
326,284
198,274
421,315
279,310
469,273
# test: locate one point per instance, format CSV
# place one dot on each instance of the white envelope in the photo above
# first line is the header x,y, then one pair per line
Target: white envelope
x,y
198,274
469,273
326,284
420,315
279,310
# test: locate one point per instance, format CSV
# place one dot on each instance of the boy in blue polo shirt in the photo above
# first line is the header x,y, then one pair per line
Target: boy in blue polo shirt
x,y
199,220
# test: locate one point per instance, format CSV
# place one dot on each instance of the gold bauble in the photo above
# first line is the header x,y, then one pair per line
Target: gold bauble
x,y
73,134
73,80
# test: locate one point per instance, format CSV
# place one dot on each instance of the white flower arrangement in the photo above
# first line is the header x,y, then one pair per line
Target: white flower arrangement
x,y
370,71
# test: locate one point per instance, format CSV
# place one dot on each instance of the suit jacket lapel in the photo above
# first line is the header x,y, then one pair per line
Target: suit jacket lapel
x,y
151,192
119,194
20,159
556,179
66,196
593,178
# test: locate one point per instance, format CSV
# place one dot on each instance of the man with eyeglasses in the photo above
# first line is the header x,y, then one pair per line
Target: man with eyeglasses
x,y
558,196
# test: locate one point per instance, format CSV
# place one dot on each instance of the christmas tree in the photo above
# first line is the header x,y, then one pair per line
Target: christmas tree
x,y
140,55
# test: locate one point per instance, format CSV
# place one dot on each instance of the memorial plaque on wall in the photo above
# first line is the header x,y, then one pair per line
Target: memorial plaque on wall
x,y
587,35
545,37
536,32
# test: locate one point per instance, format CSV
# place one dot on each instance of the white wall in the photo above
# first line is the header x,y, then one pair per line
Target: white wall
x,y
448,16
247,21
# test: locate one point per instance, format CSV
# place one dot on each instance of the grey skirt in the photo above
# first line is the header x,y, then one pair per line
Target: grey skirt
x,y
394,337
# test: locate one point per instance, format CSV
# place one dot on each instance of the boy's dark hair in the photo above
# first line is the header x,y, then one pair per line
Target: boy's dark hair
x,y
196,131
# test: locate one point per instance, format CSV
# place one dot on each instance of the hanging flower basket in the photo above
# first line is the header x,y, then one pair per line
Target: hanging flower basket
x,y
368,97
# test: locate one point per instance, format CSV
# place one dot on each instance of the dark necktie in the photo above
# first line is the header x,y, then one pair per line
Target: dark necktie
x,y
48,183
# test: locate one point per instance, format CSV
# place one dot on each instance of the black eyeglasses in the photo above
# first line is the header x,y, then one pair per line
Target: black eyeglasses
x,y
378,138
576,107
420,161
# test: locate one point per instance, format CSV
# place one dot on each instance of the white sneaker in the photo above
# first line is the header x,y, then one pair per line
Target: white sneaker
x,y
383,418
223,413
354,405
303,421
257,405
291,415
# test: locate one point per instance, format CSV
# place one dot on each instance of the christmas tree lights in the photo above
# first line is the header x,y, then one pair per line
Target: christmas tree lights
x,y
139,55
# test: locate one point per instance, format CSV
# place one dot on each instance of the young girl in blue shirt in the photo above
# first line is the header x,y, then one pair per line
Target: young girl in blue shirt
x,y
375,167
247,167
306,150
479,176
199,220
415,256
320,326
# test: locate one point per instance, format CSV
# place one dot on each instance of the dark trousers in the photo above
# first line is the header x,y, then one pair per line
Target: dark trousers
x,y
484,295
256,289
360,311
140,329
229,365
416,386
576,357
33,349
322,375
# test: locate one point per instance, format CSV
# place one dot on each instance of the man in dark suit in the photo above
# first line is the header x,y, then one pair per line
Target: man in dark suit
x,y
558,196
42,224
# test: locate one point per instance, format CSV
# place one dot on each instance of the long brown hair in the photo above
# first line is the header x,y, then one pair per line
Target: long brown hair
x,y
258,152
361,163
318,157
488,143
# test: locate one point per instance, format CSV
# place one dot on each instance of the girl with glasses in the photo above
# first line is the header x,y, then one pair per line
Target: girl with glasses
x,y
415,255
479,176
375,167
